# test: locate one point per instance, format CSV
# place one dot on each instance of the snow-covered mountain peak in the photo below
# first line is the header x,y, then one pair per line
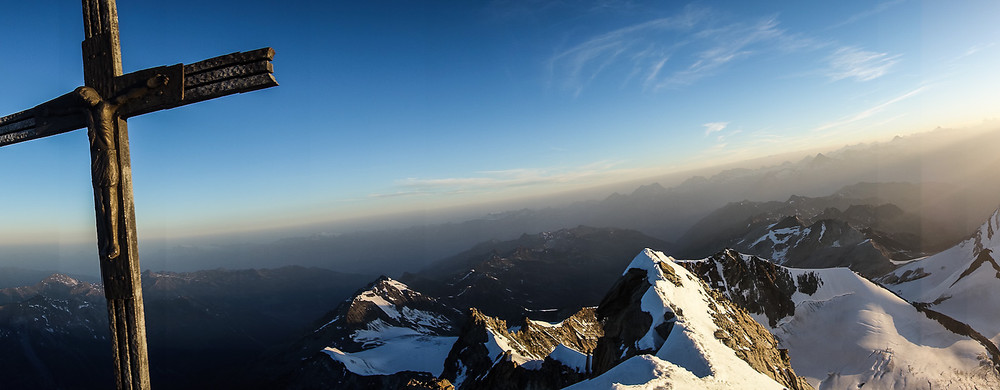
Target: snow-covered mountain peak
x,y
659,311
386,309
656,265
387,295
61,279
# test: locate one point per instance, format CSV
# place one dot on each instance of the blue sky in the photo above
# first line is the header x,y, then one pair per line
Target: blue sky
x,y
386,106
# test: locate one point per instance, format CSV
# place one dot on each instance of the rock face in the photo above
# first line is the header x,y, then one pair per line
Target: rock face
x,y
658,310
624,322
755,284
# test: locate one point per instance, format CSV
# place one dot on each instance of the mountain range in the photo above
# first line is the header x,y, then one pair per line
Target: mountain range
x,y
664,322
524,314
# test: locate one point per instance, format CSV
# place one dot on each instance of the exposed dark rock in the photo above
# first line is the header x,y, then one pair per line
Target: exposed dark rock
x,y
983,257
809,283
755,284
623,320
961,328
906,276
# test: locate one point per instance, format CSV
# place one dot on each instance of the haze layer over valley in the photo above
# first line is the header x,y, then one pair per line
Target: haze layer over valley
x,y
942,183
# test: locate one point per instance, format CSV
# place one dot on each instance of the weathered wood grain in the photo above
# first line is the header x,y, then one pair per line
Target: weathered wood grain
x,y
229,87
17,121
228,72
266,54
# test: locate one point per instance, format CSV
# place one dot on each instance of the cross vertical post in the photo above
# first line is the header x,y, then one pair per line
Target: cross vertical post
x,y
121,275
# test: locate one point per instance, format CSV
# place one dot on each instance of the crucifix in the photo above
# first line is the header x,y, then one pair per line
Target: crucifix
x,y
102,105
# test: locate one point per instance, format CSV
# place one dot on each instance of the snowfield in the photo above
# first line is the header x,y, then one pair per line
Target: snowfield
x,y
397,354
853,332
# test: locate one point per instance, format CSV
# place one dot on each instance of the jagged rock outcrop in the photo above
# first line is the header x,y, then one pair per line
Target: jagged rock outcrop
x,y
755,284
624,322
535,355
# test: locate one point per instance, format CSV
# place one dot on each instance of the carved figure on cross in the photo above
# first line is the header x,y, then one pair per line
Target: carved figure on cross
x,y
101,116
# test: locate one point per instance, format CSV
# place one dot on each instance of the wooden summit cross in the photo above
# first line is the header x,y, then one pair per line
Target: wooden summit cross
x,y
102,105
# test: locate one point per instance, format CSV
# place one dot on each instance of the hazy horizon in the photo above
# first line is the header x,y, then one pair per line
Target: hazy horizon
x,y
893,162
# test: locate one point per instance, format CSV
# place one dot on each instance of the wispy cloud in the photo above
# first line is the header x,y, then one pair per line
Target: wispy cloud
x,y
580,64
502,179
879,8
861,65
669,52
975,50
713,127
869,112
729,43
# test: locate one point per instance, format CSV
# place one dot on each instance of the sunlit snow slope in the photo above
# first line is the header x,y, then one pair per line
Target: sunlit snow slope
x,y
962,282
843,331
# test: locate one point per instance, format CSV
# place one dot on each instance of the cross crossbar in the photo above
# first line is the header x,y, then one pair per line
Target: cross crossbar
x,y
204,80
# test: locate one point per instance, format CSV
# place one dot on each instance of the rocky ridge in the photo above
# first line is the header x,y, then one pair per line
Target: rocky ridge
x,y
640,317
